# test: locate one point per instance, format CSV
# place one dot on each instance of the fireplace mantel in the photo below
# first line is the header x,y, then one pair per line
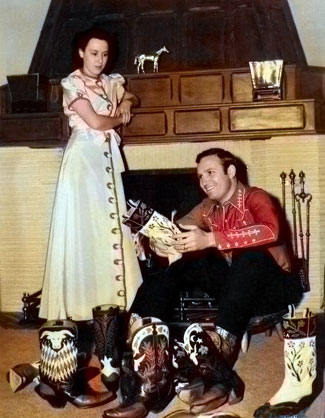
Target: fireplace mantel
x,y
187,106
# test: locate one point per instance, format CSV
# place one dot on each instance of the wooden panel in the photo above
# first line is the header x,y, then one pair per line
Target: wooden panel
x,y
267,118
312,84
155,91
241,87
201,89
197,121
205,36
147,124
199,33
35,127
246,29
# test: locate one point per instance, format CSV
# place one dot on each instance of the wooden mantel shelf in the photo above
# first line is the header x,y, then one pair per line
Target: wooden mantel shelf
x,y
227,121
244,121
41,130
192,106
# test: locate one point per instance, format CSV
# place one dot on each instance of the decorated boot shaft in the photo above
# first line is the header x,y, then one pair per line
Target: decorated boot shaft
x,y
58,360
203,378
300,362
108,324
148,370
106,327
299,332
158,228
299,324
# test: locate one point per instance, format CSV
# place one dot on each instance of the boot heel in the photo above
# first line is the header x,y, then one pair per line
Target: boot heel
x,y
234,397
237,392
111,384
55,398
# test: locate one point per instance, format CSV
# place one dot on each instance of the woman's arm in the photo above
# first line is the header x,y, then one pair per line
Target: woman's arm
x,y
124,108
93,119
132,98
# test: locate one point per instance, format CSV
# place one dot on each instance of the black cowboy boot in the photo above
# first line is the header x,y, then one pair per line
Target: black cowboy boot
x,y
108,324
203,378
226,343
145,382
59,379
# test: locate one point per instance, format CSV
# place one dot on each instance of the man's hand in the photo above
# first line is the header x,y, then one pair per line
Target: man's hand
x,y
161,249
194,240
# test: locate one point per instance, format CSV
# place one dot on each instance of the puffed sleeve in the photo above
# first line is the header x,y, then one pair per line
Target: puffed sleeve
x,y
119,82
73,89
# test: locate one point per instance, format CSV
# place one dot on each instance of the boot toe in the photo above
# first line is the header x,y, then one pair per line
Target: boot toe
x,y
216,396
137,410
85,401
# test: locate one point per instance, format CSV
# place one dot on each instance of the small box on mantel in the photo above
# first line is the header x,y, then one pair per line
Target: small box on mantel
x,y
27,93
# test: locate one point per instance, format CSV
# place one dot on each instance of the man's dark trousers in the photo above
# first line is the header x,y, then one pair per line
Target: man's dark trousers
x,y
252,285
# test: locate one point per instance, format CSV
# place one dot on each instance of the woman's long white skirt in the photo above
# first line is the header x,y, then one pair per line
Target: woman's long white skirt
x,y
91,258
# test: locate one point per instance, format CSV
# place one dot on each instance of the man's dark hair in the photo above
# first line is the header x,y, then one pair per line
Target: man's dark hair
x,y
227,159
81,40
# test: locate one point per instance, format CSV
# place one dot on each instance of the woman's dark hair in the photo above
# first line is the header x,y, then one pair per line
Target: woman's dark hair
x,y
227,159
81,40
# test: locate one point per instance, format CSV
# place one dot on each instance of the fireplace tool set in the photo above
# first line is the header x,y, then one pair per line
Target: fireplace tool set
x,y
300,206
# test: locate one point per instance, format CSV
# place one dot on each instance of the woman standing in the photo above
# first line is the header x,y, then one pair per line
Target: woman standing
x,y
91,259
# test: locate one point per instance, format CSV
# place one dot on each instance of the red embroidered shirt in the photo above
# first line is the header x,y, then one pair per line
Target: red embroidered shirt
x,y
248,219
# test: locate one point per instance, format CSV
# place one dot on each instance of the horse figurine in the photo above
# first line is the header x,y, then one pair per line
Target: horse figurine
x,y
154,57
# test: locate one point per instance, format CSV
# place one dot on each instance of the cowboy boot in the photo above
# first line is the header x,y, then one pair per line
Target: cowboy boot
x,y
145,382
300,366
226,343
204,380
59,379
22,375
108,329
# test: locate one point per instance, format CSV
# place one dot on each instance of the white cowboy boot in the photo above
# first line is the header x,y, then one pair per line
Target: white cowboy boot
x,y
300,366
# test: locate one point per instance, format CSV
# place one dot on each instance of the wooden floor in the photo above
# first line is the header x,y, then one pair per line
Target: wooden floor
x,y
261,368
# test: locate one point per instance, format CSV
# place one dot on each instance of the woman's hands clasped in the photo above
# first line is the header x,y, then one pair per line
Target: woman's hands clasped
x,y
123,111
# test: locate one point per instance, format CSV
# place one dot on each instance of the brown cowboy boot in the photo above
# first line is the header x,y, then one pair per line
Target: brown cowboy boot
x,y
145,382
